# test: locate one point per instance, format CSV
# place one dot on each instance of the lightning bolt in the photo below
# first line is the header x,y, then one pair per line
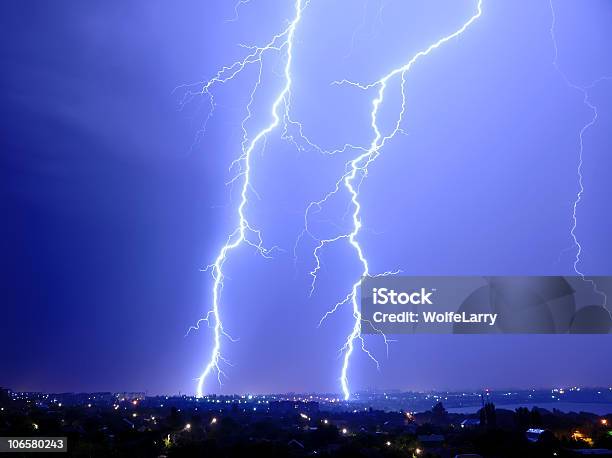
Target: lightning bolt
x,y
244,232
355,172
236,8
584,91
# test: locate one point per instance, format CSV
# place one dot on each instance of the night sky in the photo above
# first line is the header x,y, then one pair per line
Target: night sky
x,y
113,199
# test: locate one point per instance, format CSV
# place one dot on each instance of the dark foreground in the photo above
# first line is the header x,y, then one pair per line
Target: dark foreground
x,y
109,425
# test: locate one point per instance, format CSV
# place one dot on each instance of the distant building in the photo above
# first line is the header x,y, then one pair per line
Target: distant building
x,y
129,423
592,452
431,439
131,395
5,394
294,407
295,444
538,435
469,423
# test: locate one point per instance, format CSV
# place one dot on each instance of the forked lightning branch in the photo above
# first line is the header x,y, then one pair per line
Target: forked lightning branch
x,y
360,157
349,183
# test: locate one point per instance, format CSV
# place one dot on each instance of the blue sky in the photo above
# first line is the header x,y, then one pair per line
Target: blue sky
x,y
113,203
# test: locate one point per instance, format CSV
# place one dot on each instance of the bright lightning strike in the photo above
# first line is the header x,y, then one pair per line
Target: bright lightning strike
x,y
356,171
584,90
244,232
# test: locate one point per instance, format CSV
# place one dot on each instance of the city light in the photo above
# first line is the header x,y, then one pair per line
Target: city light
x,y
579,436
586,434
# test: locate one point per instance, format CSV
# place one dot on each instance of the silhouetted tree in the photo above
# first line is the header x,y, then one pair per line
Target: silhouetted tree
x,y
536,417
488,416
522,418
439,415
174,420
